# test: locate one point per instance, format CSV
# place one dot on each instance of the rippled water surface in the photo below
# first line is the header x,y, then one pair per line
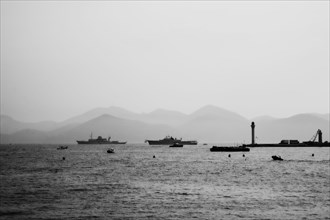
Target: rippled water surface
x,y
179,183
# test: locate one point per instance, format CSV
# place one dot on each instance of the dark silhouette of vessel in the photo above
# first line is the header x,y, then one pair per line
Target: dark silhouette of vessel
x,y
176,145
229,149
100,140
62,147
111,151
277,157
169,140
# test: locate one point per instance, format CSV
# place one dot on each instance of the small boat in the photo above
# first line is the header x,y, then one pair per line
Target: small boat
x,y
62,147
110,151
277,157
176,145
229,149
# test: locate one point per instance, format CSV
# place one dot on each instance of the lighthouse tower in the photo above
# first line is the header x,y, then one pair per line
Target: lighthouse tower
x,y
252,128
319,132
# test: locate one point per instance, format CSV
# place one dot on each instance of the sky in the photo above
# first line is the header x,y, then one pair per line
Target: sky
x,y
60,59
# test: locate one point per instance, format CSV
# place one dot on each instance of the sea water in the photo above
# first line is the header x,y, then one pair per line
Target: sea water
x,y
84,182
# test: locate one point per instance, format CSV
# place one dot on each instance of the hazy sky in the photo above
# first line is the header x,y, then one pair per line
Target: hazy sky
x,y
60,59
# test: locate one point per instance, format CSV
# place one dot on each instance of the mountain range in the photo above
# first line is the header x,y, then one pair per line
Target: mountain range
x,y
208,124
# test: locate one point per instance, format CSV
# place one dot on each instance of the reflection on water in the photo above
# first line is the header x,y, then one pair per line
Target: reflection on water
x,y
188,182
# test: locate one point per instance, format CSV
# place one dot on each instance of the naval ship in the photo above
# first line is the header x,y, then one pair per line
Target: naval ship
x,y
100,140
169,140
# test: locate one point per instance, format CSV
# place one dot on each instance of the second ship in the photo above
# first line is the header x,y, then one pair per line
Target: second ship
x,y
100,140
169,140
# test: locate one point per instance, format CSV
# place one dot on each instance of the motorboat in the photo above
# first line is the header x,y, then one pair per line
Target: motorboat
x,y
277,157
62,147
110,151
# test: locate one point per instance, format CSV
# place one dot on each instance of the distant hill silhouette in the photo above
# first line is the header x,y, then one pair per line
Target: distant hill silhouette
x,y
113,110
162,116
263,118
207,124
211,124
9,125
26,136
214,112
117,128
159,116
324,116
301,127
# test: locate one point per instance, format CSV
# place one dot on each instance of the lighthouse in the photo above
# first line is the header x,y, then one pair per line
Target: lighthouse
x,y
252,129
319,132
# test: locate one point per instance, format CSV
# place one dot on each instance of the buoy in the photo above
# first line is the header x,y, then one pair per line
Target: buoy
x,y
243,155
154,156
63,158
229,155
312,155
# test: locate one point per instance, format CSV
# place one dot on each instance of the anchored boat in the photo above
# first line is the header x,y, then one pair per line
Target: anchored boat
x,y
111,151
62,148
277,157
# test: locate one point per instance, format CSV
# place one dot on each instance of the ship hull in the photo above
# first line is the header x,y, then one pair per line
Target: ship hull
x,y
117,142
176,145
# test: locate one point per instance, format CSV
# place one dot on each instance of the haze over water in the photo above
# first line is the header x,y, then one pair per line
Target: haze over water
x,y
61,59
185,183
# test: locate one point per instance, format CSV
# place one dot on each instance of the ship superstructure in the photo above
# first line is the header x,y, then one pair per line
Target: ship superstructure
x,y
100,140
